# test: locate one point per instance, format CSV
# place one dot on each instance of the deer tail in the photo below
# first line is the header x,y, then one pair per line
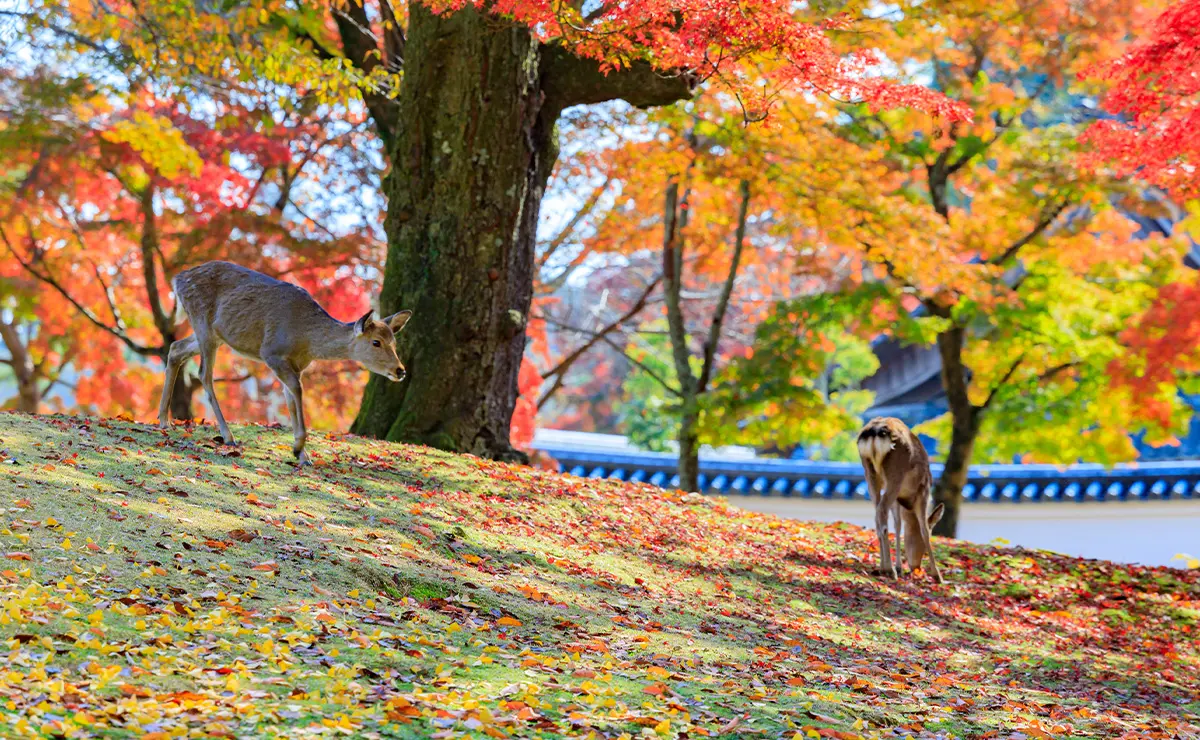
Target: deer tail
x,y
875,441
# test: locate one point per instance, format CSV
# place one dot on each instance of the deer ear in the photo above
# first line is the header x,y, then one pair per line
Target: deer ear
x,y
397,320
361,325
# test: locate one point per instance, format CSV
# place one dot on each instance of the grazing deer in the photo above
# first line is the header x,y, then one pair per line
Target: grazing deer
x,y
276,323
898,477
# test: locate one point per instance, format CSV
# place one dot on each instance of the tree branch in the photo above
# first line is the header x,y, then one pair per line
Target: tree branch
x,y
645,368
360,47
569,80
718,319
149,247
588,206
87,314
675,217
1043,223
991,396
560,370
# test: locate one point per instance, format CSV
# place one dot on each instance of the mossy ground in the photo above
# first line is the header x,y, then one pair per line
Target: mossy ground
x,y
154,584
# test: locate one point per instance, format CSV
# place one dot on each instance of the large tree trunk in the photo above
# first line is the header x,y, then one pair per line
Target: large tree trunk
x,y
965,428
474,144
473,153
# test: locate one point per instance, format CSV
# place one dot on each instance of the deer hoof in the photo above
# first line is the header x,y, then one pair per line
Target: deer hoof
x,y
302,459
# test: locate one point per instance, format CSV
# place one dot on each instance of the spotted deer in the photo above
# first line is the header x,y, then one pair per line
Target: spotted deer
x,y
276,323
898,478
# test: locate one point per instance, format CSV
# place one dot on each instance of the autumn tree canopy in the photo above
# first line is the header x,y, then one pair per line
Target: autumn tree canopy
x,y
465,98
113,185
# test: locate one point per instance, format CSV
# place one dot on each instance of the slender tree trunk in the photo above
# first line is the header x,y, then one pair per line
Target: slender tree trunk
x,y
689,448
181,397
473,147
29,392
965,418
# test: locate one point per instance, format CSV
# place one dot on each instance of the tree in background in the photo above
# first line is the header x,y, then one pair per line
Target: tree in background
x,y
1016,259
1155,88
465,98
109,191
725,249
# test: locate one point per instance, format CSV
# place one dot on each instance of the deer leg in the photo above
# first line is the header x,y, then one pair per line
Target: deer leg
x,y
181,351
923,523
294,390
898,522
208,354
881,532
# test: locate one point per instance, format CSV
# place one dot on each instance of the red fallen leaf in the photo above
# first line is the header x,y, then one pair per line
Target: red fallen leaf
x,y
18,556
23,503
154,471
584,673
655,689
217,544
9,574
424,531
242,535
270,565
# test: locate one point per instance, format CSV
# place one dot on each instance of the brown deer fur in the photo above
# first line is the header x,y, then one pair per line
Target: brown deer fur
x,y
898,478
273,322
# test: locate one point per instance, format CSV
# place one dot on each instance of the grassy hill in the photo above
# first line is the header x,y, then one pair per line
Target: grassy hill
x,y
153,584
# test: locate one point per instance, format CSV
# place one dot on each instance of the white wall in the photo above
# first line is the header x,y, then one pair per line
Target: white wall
x,y
1147,533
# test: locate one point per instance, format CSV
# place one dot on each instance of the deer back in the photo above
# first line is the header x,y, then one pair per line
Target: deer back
x,y
251,312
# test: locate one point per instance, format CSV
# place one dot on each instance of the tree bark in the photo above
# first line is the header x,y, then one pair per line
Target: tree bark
x,y
29,393
965,419
181,397
474,147
689,447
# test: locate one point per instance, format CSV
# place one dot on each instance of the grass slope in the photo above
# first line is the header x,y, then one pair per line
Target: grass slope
x,y
155,585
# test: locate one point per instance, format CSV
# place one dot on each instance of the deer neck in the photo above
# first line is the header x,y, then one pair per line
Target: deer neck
x,y
331,340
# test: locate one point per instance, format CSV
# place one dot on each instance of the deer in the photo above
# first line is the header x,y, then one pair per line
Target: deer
x,y
275,323
899,481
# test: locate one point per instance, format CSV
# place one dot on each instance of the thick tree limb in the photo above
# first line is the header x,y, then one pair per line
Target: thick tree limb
x,y
569,80
718,319
149,245
675,217
360,47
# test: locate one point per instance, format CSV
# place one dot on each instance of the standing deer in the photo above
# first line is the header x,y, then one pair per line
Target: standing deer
x,y
276,323
898,477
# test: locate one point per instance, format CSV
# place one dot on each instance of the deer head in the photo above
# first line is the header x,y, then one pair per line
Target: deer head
x,y
374,344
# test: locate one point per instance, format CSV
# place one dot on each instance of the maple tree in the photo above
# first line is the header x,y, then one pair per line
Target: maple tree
x,y
465,97
110,192
1022,270
1155,94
